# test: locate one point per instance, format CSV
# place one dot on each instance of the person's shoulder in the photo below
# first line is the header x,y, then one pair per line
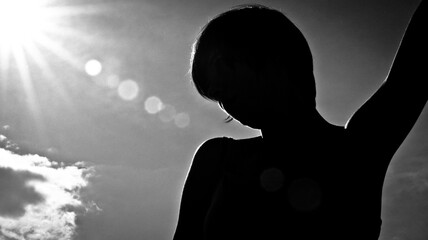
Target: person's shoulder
x,y
212,145
209,154
213,151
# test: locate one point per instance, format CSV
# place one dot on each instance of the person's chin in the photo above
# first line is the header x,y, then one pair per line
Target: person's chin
x,y
254,123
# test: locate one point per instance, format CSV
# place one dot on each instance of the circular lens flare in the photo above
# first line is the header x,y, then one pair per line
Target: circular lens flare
x,y
93,67
153,105
128,90
182,120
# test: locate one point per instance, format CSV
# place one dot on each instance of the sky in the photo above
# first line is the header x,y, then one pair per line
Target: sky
x,y
99,121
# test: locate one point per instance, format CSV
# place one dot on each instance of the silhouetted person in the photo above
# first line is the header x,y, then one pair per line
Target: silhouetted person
x,y
304,178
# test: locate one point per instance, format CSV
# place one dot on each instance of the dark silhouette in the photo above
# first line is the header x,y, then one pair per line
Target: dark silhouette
x,y
304,178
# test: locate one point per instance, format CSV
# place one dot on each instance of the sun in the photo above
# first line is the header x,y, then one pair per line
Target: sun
x,y
24,28
32,37
27,26
21,21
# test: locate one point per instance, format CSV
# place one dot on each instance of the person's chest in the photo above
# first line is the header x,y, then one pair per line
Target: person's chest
x,y
302,188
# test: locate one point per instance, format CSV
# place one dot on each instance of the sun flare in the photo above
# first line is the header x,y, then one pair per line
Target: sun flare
x,y
34,50
31,32
21,21
26,31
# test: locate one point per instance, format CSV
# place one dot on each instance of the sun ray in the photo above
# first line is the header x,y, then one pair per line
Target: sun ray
x,y
26,27
24,74
71,33
32,100
35,35
60,51
34,53
31,22
4,58
4,73
80,10
47,73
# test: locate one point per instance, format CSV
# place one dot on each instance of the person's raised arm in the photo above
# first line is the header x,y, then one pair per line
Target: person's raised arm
x,y
198,191
384,121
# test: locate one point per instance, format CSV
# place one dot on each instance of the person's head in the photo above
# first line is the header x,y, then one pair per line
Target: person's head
x,y
254,62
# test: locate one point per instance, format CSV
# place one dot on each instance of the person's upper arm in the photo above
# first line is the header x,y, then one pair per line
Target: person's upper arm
x,y
384,121
199,187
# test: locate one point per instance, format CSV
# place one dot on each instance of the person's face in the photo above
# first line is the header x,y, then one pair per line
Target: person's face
x,y
247,96
244,99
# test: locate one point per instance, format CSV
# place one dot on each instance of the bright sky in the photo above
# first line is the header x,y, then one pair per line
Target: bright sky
x,y
99,122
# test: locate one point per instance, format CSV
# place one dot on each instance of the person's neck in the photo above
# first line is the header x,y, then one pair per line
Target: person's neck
x,y
300,128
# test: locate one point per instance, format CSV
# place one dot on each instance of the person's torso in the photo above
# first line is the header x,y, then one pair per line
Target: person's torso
x,y
314,192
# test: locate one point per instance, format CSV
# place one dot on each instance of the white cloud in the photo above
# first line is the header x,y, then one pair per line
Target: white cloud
x,y
40,198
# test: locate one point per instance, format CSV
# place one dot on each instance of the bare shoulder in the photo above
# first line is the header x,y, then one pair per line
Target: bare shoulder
x,y
215,146
210,148
211,155
201,182
208,157
248,142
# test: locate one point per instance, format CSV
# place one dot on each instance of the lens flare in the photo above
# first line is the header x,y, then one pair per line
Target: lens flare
x,y
182,120
32,37
93,67
153,105
21,21
128,90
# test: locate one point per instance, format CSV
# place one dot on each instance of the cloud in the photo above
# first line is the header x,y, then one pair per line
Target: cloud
x,y
7,144
16,194
39,198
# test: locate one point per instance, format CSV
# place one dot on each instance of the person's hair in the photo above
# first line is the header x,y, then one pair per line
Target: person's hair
x,y
257,35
